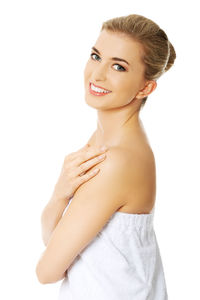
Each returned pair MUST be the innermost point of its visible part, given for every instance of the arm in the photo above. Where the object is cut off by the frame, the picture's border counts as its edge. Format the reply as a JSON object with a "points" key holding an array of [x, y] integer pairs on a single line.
{"points": [[51, 215], [68, 182], [93, 203]]}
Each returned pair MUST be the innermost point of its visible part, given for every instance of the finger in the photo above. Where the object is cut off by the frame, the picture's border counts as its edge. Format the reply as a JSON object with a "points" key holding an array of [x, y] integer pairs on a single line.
{"points": [[74, 155], [89, 174], [84, 167], [87, 155]]}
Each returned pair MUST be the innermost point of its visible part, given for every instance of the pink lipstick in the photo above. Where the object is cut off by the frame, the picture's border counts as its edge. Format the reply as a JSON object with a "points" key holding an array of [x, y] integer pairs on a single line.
{"points": [[98, 93]]}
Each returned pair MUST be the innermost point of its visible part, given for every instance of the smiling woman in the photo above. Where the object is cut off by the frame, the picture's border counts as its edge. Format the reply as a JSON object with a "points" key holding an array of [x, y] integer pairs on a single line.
{"points": [[104, 243], [149, 57]]}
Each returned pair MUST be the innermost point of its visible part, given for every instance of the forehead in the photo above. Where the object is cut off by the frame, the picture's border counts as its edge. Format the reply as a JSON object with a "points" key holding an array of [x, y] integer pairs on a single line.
{"points": [[114, 44]]}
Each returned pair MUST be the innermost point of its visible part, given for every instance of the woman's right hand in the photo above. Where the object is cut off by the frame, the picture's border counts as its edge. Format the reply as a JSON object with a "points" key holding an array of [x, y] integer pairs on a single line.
{"points": [[74, 170]]}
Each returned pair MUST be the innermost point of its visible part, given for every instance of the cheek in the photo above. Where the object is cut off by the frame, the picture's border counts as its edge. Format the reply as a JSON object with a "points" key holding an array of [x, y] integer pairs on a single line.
{"points": [[128, 89], [134, 83], [126, 86]]}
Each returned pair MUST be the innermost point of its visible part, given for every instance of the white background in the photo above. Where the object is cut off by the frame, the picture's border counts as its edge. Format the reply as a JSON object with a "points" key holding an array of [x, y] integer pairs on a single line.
{"points": [[44, 46]]}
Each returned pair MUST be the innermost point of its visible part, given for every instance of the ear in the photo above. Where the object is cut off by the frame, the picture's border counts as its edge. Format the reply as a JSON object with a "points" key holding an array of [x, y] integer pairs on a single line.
{"points": [[149, 87]]}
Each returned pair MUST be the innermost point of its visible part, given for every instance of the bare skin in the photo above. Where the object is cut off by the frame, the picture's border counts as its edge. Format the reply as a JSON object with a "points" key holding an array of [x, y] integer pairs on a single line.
{"points": [[127, 174], [118, 126], [143, 202], [118, 123]]}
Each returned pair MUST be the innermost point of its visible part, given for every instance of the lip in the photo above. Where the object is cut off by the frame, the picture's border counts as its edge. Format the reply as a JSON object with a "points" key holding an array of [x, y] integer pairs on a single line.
{"points": [[98, 93]]}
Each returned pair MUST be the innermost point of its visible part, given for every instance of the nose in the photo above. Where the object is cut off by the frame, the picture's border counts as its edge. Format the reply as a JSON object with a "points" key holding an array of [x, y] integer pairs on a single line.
{"points": [[99, 73]]}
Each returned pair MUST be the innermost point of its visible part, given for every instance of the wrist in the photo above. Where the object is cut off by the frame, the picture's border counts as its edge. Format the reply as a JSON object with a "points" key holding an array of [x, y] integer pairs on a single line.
{"points": [[57, 197]]}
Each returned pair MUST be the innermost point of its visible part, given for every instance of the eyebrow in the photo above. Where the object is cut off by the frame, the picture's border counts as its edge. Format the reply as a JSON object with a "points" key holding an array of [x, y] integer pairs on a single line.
{"points": [[113, 58]]}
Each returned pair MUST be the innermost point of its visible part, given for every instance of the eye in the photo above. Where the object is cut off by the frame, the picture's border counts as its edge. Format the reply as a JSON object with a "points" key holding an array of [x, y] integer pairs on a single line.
{"points": [[93, 54], [122, 68]]}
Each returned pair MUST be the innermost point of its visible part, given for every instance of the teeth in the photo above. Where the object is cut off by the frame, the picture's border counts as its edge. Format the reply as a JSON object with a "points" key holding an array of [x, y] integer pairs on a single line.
{"points": [[96, 89]]}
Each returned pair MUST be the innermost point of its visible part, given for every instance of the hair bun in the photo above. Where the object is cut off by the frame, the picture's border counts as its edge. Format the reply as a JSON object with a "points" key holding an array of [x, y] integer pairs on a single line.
{"points": [[172, 57]]}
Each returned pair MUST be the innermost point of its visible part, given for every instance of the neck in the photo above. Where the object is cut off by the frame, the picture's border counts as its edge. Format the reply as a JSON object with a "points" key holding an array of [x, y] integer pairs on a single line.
{"points": [[114, 125]]}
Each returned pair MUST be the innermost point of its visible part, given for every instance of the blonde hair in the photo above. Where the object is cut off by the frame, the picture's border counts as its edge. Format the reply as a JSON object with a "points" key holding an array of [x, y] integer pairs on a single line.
{"points": [[159, 53]]}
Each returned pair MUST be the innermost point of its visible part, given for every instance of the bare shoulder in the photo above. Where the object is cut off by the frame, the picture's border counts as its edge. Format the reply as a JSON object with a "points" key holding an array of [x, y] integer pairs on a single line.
{"points": [[140, 180], [127, 177], [109, 183]]}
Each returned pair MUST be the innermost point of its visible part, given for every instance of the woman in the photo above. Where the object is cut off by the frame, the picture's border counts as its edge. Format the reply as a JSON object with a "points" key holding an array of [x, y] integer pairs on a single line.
{"points": [[104, 244]]}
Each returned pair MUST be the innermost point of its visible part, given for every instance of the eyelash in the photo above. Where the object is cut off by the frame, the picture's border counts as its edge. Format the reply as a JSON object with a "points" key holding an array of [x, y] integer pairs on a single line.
{"points": [[115, 64]]}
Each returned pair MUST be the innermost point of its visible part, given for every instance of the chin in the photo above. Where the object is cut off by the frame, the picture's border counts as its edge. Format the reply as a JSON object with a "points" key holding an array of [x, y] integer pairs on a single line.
{"points": [[97, 104]]}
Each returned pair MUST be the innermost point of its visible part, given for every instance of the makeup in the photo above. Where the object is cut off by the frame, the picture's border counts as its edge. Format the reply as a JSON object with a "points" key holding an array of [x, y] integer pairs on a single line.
{"points": [[97, 90]]}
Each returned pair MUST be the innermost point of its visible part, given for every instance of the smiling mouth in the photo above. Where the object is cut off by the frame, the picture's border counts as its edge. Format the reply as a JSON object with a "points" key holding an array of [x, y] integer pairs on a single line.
{"points": [[98, 91]]}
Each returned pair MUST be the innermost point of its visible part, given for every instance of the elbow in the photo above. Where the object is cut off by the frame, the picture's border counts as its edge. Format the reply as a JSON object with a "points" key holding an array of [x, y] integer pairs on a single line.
{"points": [[44, 280], [41, 273], [40, 278]]}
